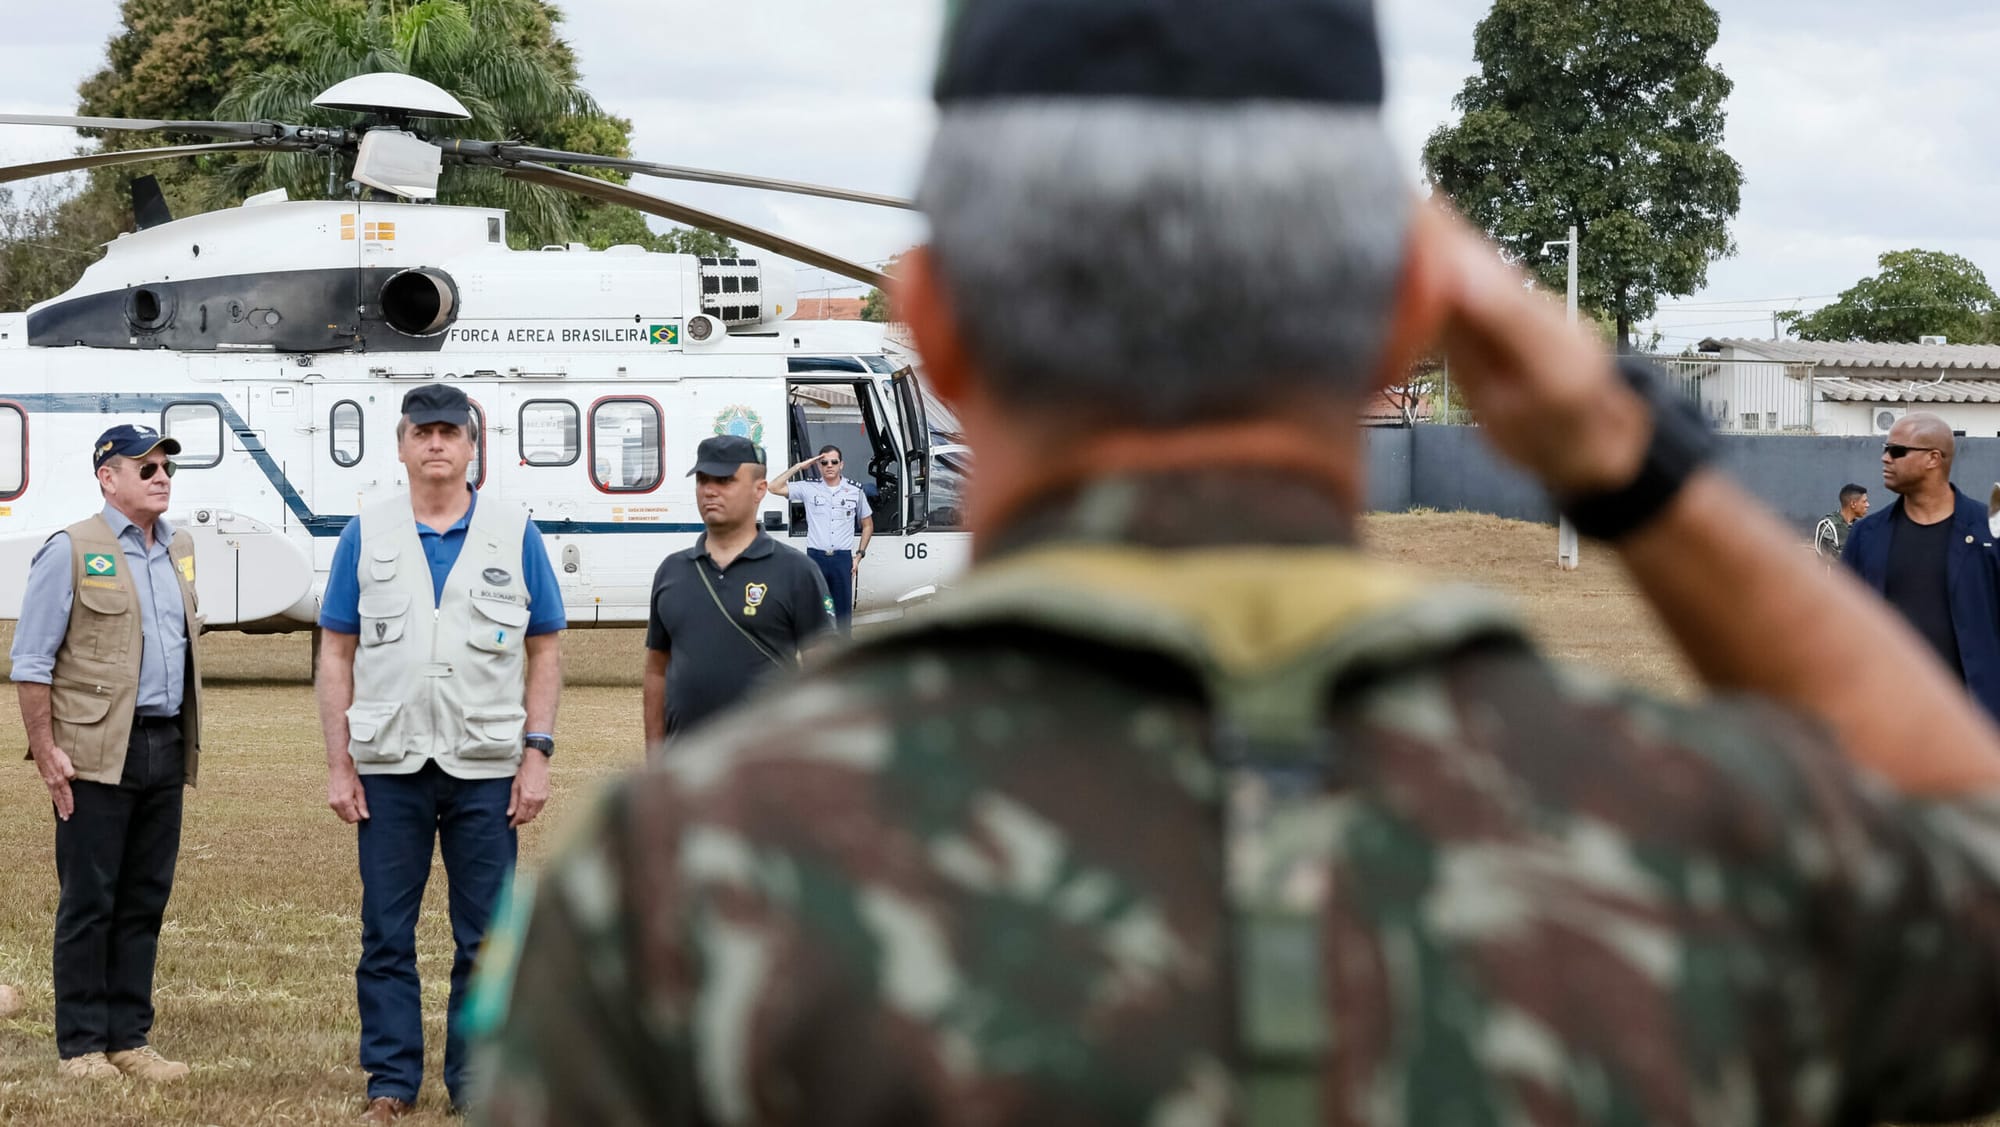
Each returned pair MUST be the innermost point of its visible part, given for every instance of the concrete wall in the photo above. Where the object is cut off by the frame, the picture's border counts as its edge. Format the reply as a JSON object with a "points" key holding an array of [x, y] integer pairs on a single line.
{"points": [[1453, 469]]}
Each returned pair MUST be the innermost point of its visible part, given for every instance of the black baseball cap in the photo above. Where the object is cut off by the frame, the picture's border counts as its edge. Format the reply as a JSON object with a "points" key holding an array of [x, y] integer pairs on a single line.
{"points": [[720, 456], [1325, 51], [437, 403], [131, 442]]}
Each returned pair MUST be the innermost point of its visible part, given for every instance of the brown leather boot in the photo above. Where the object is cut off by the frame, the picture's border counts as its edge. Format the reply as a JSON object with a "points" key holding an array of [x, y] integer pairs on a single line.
{"points": [[383, 1110], [143, 1063]]}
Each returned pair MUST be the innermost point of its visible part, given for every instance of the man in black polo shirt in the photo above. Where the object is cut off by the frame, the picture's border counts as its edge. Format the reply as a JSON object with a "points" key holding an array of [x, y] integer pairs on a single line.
{"points": [[733, 608]]}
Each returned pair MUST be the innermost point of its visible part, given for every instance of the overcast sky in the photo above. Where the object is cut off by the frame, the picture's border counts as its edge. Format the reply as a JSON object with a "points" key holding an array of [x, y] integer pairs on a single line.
{"points": [[1862, 127]]}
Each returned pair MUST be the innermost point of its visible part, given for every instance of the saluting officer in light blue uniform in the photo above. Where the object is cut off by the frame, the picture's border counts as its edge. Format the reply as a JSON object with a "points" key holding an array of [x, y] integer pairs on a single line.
{"points": [[831, 504]]}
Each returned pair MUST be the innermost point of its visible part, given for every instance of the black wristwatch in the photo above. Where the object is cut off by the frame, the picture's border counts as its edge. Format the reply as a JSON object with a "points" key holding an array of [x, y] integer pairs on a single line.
{"points": [[1681, 444], [544, 744]]}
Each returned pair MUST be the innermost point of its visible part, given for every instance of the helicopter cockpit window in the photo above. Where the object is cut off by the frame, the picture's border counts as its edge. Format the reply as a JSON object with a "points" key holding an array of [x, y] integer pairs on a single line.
{"points": [[13, 452], [550, 433], [344, 433], [879, 364], [625, 445], [198, 428]]}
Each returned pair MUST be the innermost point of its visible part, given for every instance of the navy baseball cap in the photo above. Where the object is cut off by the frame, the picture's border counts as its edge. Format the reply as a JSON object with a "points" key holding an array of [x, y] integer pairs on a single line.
{"points": [[437, 403], [720, 456], [131, 442]]}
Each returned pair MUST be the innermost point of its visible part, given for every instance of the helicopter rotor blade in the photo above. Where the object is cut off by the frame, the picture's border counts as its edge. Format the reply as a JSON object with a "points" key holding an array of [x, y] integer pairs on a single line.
{"points": [[126, 156], [243, 130], [507, 152], [680, 213]]}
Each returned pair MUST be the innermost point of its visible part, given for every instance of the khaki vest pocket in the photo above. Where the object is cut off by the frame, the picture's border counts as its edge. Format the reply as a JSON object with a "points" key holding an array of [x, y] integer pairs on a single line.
{"points": [[383, 617], [373, 736], [493, 734], [79, 704], [103, 600], [499, 626]]}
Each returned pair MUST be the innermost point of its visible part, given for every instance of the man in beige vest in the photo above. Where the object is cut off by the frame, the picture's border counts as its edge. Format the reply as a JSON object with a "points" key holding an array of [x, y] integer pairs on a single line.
{"points": [[438, 726], [108, 667]]}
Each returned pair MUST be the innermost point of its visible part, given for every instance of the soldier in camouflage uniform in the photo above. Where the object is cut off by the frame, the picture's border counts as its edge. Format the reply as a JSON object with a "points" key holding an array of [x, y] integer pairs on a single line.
{"points": [[1181, 811]]}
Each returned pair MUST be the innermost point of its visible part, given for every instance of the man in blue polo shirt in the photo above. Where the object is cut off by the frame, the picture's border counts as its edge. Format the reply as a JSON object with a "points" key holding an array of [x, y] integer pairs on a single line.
{"points": [[438, 726]]}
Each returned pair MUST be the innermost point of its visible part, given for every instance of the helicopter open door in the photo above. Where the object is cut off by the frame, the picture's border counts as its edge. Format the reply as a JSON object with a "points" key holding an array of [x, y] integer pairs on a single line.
{"points": [[831, 407], [916, 445]]}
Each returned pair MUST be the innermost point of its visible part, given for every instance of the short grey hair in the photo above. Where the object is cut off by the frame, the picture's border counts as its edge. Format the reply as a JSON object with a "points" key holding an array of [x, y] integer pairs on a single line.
{"points": [[1162, 264]]}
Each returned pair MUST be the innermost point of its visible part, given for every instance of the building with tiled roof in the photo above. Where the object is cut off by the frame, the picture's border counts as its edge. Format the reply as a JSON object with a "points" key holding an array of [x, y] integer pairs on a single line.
{"points": [[1843, 388]]}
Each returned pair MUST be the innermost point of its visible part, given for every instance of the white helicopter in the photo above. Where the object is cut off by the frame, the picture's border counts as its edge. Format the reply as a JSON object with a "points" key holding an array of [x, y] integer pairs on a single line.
{"points": [[275, 342]]}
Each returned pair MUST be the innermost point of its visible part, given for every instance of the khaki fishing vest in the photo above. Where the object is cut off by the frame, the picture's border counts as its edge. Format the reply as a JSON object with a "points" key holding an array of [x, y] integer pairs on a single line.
{"points": [[1270, 632], [94, 689], [449, 685]]}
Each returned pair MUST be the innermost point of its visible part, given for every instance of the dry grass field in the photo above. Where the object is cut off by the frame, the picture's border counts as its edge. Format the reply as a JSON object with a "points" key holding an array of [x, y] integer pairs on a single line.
{"points": [[255, 983]]}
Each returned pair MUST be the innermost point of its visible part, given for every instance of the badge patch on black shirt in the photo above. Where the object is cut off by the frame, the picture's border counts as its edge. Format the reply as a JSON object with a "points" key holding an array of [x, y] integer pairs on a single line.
{"points": [[753, 596]]}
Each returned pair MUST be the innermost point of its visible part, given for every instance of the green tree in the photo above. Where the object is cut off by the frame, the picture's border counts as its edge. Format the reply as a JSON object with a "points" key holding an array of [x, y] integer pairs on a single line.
{"points": [[875, 306], [1606, 115], [615, 226], [1918, 293]]}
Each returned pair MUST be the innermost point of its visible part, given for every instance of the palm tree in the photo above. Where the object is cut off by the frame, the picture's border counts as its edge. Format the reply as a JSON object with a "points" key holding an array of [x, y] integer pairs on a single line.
{"points": [[501, 58]]}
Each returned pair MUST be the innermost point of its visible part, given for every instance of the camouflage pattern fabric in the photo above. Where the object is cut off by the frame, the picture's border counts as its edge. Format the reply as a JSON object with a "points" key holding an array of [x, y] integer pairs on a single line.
{"points": [[978, 874]]}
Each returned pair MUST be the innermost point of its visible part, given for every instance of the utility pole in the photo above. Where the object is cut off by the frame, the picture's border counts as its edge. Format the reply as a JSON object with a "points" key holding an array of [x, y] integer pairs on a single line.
{"points": [[1568, 553]]}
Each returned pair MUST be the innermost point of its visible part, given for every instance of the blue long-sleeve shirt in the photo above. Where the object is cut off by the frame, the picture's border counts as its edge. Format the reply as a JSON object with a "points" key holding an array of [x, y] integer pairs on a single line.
{"points": [[162, 619]]}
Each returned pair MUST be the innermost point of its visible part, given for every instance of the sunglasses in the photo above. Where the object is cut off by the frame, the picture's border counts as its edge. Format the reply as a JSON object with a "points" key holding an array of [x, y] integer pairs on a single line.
{"points": [[151, 470], [1899, 452], [829, 461]]}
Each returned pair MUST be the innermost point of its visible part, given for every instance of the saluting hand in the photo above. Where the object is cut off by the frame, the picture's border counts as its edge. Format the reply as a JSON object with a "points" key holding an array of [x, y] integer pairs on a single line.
{"points": [[1545, 391], [57, 771], [531, 789]]}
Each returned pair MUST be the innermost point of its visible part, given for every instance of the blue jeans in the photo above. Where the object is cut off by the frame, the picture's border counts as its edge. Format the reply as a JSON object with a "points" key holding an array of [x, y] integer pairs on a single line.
{"points": [[838, 568], [467, 819]]}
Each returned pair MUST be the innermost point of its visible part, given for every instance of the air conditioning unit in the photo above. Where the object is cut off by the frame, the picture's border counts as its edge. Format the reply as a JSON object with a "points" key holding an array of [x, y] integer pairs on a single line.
{"points": [[1886, 417], [1933, 340]]}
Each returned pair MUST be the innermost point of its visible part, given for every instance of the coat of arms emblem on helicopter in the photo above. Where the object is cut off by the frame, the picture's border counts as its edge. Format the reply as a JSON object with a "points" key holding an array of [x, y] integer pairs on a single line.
{"points": [[742, 422]]}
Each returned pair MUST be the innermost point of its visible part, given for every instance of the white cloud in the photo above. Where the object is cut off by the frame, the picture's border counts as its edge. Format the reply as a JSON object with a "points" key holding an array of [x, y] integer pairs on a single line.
{"points": [[1860, 128]]}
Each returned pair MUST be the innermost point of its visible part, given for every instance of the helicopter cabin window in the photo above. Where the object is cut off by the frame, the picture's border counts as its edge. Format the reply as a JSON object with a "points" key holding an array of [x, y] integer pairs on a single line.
{"points": [[475, 473], [198, 428], [625, 445], [13, 452], [550, 433], [344, 433]]}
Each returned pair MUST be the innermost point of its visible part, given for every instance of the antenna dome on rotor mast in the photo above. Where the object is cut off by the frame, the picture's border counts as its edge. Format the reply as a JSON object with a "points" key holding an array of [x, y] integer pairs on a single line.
{"points": [[392, 94]]}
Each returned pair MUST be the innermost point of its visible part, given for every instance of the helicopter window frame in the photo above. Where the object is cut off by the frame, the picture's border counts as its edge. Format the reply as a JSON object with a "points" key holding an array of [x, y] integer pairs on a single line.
{"points": [[478, 446], [21, 413], [360, 433], [659, 445], [166, 430], [572, 447]]}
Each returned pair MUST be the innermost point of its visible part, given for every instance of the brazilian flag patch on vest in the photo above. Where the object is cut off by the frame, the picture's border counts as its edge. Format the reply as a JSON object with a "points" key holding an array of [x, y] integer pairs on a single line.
{"points": [[99, 563]]}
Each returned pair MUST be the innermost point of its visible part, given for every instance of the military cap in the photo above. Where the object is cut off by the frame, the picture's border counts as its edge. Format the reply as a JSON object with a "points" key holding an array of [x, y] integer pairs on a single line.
{"points": [[1323, 51], [720, 456]]}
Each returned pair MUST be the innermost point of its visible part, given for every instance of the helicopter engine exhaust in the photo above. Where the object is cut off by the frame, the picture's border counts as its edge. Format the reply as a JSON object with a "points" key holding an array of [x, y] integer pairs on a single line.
{"points": [[420, 302]]}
